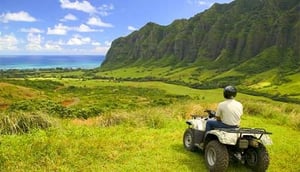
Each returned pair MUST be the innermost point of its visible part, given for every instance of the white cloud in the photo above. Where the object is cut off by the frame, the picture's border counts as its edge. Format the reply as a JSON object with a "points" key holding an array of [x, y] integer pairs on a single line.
{"points": [[199, 3], [59, 29], [60, 42], [34, 41], [53, 46], [96, 21], [105, 9], [32, 30], [21, 16], [34, 38], [96, 43], [102, 50], [8, 42], [131, 28], [69, 17], [79, 40], [84, 6], [85, 28], [107, 43]]}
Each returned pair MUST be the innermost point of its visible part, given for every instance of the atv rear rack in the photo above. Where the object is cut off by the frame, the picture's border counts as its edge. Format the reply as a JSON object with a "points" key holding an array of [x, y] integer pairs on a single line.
{"points": [[242, 131]]}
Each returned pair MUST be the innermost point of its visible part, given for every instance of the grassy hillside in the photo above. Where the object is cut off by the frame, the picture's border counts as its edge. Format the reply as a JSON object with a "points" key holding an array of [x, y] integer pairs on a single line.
{"points": [[253, 45], [10, 93], [86, 146], [225, 35], [271, 83], [127, 126]]}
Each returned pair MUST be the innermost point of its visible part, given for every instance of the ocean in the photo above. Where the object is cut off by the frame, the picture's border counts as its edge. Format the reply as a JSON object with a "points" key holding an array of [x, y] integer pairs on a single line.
{"points": [[50, 61]]}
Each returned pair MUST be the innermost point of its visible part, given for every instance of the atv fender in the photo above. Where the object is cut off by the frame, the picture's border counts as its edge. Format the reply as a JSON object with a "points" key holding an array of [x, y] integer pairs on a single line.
{"points": [[224, 137], [231, 138], [197, 124], [265, 139]]}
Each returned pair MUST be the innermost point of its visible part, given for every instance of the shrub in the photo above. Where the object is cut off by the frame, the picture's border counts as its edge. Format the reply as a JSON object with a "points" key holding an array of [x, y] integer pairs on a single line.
{"points": [[17, 123], [112, 119], [156, 121], [48, 85]]}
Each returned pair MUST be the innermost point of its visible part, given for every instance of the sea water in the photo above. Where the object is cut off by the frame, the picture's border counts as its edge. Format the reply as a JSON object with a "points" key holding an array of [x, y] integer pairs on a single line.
{"points": [[50, 61]]}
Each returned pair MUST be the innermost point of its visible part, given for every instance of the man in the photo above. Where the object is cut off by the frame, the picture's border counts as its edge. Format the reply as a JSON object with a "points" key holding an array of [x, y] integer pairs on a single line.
{"points": [[228, 113]]}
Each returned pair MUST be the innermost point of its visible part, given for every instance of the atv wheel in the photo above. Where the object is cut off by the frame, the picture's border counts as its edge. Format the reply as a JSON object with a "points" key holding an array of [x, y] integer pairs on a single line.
{"points": [[189, 140], [216, 156], [257, 158]]}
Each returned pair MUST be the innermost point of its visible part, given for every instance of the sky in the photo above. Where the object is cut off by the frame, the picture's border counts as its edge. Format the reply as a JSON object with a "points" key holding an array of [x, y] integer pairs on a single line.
{"points": [[83, 27]]}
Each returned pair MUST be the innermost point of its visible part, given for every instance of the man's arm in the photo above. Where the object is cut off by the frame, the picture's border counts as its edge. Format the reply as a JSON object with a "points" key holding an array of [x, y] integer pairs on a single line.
{"points": [[218, 113]]}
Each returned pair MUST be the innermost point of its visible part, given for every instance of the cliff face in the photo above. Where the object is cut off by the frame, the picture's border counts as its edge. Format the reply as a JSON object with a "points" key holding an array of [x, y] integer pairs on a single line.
{"points": [[227, 34]]}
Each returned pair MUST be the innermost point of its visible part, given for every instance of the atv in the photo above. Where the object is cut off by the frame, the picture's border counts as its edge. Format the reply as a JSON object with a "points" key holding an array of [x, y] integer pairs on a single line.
{"points": [[221, 145]]}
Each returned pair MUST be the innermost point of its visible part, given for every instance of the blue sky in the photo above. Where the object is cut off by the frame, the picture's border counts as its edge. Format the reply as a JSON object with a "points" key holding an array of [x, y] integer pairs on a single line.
{"points": [[86, 27]]}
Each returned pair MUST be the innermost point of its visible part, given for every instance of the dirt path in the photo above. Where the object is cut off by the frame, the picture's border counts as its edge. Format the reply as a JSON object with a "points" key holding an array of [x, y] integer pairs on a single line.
{"points": [[70, 102], [3, 106]]}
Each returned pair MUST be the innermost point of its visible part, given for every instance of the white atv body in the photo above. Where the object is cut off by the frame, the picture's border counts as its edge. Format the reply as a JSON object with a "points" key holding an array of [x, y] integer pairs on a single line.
{"points": [[223, 144], [227, 137]]}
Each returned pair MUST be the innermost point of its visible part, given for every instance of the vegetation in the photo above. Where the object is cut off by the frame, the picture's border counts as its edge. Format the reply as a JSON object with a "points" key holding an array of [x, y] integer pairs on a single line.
{"points": [[224, 36], [129, 115], [140, 126], [19, 123], [243, 43]]}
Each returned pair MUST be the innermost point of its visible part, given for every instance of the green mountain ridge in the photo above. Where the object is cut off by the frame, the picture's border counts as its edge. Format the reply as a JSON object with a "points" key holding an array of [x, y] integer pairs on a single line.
{"points": [[244, 43]]}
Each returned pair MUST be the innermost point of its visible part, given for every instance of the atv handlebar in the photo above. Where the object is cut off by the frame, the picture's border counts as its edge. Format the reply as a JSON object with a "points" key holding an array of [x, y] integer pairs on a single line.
{"points": [[211, 113]]}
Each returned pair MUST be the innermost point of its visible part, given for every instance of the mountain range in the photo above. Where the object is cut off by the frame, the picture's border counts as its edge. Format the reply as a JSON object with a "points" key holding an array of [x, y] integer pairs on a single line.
{"points": [[251, 43]]}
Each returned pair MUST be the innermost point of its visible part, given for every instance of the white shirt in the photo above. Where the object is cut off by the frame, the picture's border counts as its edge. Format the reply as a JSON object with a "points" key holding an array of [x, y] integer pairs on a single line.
{"points": [[230, 112]]}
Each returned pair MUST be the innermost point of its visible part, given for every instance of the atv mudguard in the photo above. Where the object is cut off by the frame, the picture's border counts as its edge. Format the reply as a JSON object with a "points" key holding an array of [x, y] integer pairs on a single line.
{"points": [[231, 138]]}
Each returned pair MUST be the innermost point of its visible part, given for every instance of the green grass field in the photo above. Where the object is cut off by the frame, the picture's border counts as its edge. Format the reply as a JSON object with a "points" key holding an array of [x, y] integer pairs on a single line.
{"points": [[128, 126], [272, 83]]}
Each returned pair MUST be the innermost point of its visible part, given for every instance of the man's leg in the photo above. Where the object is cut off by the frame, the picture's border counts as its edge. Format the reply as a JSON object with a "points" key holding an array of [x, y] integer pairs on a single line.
{"points": [[212, 124]]}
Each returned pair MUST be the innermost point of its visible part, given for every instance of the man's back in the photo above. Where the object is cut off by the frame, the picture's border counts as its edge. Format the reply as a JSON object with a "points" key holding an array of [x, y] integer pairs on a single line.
{"points": [[230, 112]]}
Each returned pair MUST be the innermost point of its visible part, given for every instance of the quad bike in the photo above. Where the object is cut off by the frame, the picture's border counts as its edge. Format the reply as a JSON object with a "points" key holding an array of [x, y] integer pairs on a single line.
{"points": [[246, 145]]}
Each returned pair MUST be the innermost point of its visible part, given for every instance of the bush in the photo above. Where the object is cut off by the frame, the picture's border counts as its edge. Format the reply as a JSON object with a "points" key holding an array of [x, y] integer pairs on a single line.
{"points": [[48, 85], [18, 123]]}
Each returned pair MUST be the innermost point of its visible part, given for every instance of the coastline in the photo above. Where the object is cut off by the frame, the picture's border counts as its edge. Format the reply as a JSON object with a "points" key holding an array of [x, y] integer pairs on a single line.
{"points": [[23, 62]]}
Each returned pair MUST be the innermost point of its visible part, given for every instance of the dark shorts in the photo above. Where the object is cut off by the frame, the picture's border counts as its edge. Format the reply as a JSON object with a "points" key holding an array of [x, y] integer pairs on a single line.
{"points": [[210, 125]]}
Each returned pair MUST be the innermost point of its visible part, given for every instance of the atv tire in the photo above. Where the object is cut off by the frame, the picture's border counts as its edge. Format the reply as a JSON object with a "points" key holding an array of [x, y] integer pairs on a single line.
{"points": [[189, 140], [257, 158], [216, 156]]}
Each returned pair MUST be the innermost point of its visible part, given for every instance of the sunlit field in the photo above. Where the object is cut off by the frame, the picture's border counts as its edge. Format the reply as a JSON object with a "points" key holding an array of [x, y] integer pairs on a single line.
{"points": [[101, 125]]}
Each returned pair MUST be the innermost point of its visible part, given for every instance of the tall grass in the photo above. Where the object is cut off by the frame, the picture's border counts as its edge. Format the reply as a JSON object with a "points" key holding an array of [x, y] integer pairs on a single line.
{"points": [[145, 138], [278, 112], [148, 139], [19, 123]]}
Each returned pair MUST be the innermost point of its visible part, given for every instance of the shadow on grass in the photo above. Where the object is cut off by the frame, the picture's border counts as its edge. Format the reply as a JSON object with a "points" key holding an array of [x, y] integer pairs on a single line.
{"points": [[195, 161]]}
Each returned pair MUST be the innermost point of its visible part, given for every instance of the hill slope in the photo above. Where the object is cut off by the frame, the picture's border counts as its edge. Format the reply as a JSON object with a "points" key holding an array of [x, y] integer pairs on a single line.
{"points": [[229, 33], [245, 43]]}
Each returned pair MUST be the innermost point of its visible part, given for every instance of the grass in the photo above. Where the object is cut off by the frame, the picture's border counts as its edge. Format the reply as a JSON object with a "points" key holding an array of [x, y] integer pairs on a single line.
{"points": [[80, 146], [19, 123], [290, 88], [284, 153], [11, 92], [273, 82], [135, 72], [146, 138]]}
